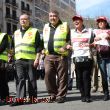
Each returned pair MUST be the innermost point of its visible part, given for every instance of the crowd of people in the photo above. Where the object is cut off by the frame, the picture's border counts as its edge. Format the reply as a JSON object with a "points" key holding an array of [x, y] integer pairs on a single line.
{"points": [[50, 56]]}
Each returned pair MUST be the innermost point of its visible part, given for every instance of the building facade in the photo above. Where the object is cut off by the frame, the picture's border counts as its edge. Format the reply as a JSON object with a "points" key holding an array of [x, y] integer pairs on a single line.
{"points": [[37, 9], [11, 10], [66, 9], [42, 8]]}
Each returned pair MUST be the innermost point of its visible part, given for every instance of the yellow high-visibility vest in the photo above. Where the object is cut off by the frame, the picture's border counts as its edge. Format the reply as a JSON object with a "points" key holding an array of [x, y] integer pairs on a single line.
{"points": [[59, 38], [25, 46], [4, 54]]}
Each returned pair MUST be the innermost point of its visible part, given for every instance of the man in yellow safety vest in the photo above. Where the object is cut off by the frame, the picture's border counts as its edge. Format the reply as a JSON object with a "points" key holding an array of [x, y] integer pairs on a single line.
{"points": [[4, 89], [27, 46], [56, 37]]}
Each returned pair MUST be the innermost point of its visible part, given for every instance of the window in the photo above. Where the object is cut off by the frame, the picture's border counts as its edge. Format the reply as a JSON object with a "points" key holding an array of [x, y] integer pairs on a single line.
{"points": [[7, 1], [22, 5], [14, 14], [28, 7], [9, 28], [72, 4], [45, 6], [39, 24], [37, 2], [63, 6], [14, 2], [44, 15], [37, 12], [8, 12]]}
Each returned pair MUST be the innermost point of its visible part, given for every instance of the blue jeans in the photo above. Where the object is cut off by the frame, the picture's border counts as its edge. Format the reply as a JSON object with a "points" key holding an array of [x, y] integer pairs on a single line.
{"points": [[104, 65], [108, 67]]}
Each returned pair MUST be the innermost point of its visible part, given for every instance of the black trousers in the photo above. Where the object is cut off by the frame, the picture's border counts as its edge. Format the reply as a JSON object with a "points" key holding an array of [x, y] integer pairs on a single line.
{"points": [[25, 70], [83, 71], [4, 89]]}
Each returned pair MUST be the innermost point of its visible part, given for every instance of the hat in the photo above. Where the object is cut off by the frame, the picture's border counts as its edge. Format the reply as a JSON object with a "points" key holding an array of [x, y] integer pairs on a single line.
{"points": [[77, 17], [101, 18]]}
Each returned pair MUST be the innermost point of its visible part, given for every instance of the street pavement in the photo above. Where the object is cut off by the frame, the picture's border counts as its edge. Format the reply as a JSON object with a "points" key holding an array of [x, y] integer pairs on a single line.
{"points": [[72, 103]]}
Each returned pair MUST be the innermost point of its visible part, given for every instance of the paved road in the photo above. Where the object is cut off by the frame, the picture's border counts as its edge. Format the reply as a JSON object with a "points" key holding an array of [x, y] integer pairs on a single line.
{"points": [[73, 101]]}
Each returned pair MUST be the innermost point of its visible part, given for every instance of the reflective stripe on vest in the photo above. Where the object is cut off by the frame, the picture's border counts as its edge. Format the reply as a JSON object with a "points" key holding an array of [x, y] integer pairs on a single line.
{"points": [[4, 54], [25, 46], [59, 38]]}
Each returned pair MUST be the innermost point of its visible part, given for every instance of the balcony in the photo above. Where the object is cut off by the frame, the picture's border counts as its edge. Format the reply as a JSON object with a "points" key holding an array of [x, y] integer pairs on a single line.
{"points": [[8, 16], [12, 18], [7, 2], [14, 4]]}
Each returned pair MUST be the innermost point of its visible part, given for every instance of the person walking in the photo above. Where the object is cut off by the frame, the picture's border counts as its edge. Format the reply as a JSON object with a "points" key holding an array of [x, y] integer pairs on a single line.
{"points": [[4, 89], [96, 75], [102, 43], [40, 68], [81, 38], [56, 36], [27, 46], [70, 72]]}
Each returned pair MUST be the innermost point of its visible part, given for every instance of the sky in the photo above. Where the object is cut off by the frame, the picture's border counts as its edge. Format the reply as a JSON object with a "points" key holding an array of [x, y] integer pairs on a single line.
{"points": [[93, 8]]}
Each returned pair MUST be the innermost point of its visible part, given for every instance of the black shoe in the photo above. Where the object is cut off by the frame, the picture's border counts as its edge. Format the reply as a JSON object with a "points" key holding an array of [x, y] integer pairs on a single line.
{"points": [[83, 99], [60, 100], [106, 98], [3, 102], [88, 100], [32, 100], [69, 88], [16, 104]]}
